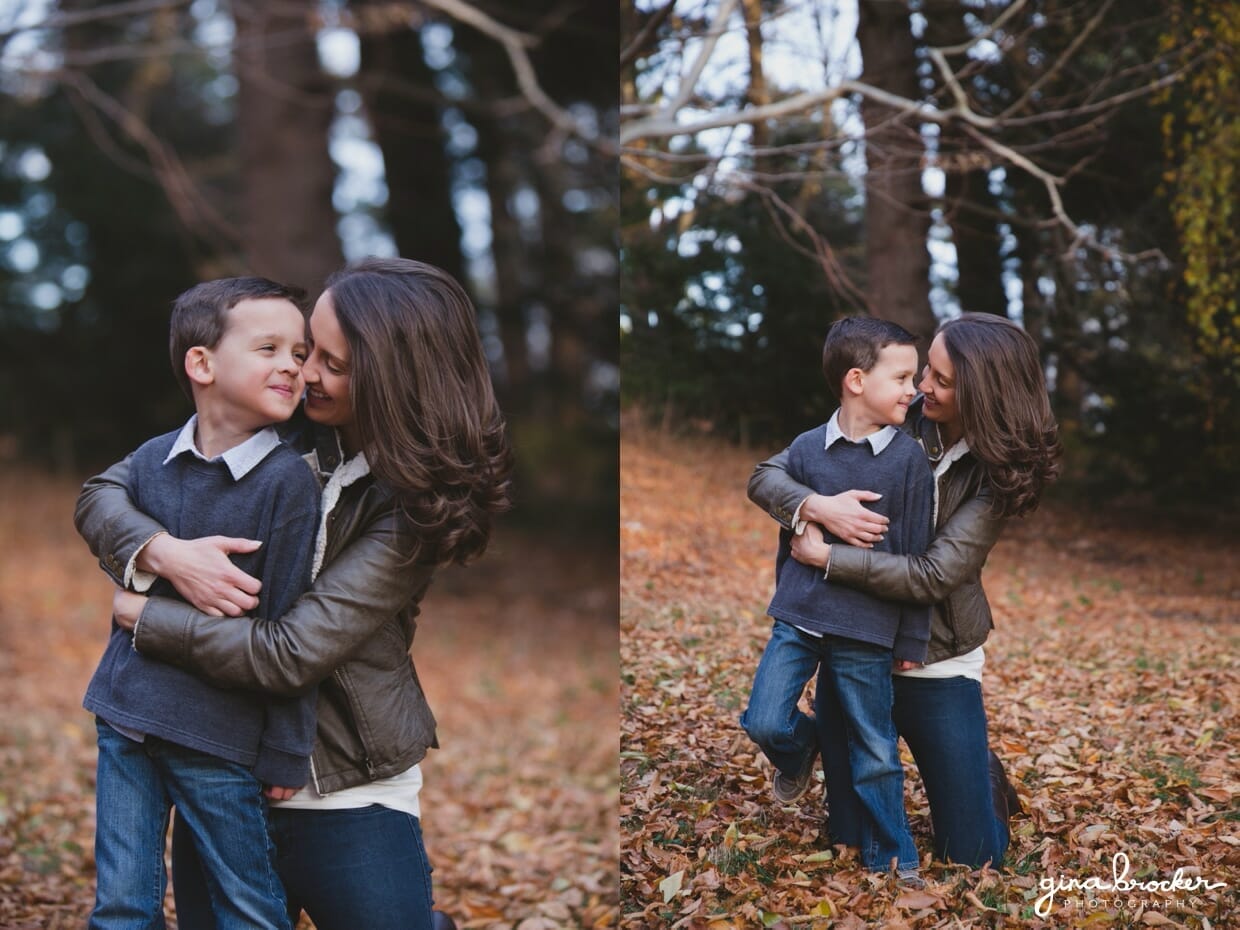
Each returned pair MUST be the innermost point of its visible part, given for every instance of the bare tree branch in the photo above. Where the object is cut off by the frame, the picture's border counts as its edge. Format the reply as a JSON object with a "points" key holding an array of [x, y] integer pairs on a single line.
{"points": [[640, 41], [516, 46], [688, 83], [77, 18], [990, 30], [1051, 184], [783, 215], [822, 252], [1061, 62], [192, 208], [989, 133], [1111, 103]]}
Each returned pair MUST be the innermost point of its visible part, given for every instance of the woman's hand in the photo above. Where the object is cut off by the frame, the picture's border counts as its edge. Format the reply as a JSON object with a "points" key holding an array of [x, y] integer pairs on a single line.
{"points": [[846, 517], [810, 548], [277, 793], [202, 573], [127, 608], [907, 665]]}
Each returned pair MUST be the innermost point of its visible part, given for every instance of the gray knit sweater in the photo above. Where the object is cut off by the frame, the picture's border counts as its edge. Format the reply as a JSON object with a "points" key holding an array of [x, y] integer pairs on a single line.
{"points": [[276, 501], [901, 474]]}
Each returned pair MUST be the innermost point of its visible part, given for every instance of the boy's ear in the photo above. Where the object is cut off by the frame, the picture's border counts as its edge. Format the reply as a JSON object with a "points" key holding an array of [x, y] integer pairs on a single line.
{"points": [[198, 365], [852, 380]]}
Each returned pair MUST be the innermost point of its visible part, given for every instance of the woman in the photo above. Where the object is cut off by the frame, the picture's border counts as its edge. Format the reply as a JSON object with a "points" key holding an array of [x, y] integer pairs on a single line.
{"points": [[407, 435], [985, 423]]}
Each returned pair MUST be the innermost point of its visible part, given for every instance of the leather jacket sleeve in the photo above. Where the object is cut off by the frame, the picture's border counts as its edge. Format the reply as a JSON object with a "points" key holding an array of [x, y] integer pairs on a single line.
{"points": [[114, 529], [956, 554], [776, 493], [363, 588]]}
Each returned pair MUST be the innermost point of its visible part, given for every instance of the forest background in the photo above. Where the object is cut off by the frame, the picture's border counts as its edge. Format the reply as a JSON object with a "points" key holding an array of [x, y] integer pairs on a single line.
{"points": [[146, 145], [1070, 165]]}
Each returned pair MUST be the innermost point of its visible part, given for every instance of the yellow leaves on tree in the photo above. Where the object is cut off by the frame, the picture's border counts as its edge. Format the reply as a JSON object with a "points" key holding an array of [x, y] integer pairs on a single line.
{"points": [[1202, 139]]}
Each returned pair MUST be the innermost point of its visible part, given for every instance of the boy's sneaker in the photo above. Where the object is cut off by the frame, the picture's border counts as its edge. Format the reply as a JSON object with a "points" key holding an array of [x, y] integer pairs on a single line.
{"points": [[910, 878], [788, 788]]}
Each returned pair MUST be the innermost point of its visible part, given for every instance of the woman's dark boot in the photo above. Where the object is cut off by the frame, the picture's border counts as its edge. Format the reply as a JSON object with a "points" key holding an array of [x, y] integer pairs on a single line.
{"points": [[1002, 792]]}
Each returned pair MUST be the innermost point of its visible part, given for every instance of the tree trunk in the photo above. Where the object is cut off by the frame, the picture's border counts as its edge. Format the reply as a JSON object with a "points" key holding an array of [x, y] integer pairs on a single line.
{"points": [[969, 210], [757, 94], [402, 101], [284, 114], [897, 223], [512, 264], [505, 149], [573, 309], [969, 207]]}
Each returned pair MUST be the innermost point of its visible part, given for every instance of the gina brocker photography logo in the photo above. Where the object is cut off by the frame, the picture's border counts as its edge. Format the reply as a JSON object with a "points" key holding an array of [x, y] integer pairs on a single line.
{"points": [[1120, 891]]}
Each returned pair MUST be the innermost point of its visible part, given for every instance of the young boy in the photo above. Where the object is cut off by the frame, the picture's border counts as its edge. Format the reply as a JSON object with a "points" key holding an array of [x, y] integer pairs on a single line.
{"points": [[165, 736], [852, 638]]}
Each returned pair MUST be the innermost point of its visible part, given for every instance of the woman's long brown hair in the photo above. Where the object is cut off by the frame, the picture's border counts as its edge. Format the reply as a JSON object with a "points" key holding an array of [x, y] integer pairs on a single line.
{"points": [[1004, 407], [423, 401]]}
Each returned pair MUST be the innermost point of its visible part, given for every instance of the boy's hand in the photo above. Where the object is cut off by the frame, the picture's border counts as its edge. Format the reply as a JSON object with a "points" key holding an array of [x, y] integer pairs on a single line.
{"points": [[277, 793], [202, 573], [846, 517], [127, 608], [810, 548]]}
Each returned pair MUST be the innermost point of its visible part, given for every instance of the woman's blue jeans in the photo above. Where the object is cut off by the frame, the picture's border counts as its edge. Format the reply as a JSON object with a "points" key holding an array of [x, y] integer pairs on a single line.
{"points": [[944, 724], [221, 807], [348, 869], [943, 721]]}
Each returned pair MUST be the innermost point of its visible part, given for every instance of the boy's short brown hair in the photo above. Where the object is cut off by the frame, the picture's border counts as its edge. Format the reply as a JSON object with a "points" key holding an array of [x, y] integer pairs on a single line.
{"points": [[200, 315], [854, 342]]}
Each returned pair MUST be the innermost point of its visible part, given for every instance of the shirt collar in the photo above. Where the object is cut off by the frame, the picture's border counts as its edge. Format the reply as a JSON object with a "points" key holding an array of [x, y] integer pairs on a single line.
{"points": [[240, 459], [878, 441], [951, 456]]}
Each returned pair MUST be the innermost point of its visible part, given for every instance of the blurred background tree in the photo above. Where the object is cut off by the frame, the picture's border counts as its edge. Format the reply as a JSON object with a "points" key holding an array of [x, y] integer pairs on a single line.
{"points": [[149, 144], [1068, 165]]}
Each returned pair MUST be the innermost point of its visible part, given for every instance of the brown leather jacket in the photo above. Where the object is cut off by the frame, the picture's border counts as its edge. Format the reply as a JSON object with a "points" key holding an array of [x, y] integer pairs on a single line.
{"points": [[948, 575], [350, 634]]}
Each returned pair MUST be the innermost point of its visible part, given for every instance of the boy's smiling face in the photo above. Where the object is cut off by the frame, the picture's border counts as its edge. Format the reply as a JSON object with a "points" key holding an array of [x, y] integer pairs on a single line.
{"points": [[256, 366], [887, 389]]}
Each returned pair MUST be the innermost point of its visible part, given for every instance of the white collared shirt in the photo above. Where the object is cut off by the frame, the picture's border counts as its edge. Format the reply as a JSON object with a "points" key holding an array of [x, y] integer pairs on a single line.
{"points": [[240, 459], [878, 440]]}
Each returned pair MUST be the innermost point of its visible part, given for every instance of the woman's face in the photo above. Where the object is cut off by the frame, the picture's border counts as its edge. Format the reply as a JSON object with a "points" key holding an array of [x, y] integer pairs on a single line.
{"points": [[938, 383], [327, 369]]}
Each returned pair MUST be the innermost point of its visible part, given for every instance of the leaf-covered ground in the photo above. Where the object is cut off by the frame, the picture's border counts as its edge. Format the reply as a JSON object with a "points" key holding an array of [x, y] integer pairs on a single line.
{"points": [[517, 654], [1112, 684]]}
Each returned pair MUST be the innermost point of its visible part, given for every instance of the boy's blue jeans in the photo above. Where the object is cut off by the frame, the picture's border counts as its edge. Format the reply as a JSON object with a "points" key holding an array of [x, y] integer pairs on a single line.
{"points": [[860, 754], [772, 719], [861, 760], [222, 804]]}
